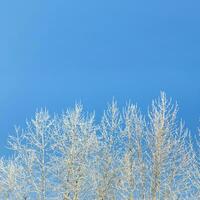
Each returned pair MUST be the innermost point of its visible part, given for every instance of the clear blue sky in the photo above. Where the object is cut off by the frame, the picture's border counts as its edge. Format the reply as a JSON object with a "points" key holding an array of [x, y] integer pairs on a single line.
{"points": [[54, 53]]}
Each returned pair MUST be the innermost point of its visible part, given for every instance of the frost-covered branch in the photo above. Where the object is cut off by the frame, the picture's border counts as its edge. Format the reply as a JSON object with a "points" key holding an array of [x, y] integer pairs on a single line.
{"points": [[127, 155]]}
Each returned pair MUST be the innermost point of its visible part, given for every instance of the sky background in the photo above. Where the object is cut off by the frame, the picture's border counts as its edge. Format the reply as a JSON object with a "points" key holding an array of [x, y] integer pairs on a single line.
{"points": [[55, 53]]}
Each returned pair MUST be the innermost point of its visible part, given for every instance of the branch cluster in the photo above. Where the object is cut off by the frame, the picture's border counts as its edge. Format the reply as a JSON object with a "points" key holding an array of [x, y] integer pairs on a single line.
{"points": [[125, 156]]}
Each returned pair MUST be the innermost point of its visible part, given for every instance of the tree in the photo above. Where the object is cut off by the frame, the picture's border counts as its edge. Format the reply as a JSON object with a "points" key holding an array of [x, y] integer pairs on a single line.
{"points": [[196, 164], [32, 147], [127, 155], [74, 143], [108, 160], [135, 158], [169, 156]]}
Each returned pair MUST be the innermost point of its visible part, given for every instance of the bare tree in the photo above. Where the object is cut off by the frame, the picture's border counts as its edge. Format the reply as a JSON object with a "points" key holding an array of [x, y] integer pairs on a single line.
{"points": [[125, 156], [108, 160], [11, 180], [195, 153], [73, 146], [169, 156], [135, 158], [32, 147]]}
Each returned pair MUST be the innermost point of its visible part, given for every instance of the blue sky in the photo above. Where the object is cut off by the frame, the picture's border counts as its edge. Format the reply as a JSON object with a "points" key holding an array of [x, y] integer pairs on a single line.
{"points": [[54, 53]]}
